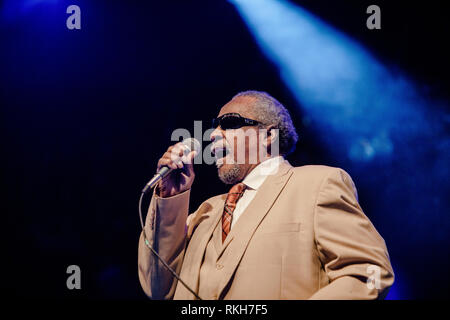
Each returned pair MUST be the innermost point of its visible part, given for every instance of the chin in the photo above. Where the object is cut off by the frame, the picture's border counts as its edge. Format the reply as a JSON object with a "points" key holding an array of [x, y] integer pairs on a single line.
{"points": [[222, 169], [230, 173]]}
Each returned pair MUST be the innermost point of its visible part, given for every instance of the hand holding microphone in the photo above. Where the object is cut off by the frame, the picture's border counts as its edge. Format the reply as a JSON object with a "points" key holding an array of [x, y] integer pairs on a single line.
{"points": [[175, 170], [175, 174]]}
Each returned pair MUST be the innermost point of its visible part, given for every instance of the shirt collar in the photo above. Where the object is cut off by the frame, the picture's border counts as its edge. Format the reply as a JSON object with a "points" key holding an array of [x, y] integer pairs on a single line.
{"points": [[258, 175]]}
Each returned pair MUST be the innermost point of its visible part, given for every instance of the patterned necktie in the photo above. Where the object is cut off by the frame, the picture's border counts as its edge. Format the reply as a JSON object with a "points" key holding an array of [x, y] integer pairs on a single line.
{"points": [[233, 196]]}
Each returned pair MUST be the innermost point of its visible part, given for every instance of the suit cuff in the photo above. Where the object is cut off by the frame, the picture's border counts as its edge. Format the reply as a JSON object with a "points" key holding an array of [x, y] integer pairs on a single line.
{"points": [[168, 211]]}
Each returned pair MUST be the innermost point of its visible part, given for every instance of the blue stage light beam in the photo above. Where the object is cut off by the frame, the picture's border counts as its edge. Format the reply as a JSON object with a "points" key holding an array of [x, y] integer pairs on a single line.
{"points": [[371, 119], [363, 108]]}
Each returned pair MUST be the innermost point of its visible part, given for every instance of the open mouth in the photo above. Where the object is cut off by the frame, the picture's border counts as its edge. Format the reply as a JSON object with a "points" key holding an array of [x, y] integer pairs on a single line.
{"points": [[219, 151]]}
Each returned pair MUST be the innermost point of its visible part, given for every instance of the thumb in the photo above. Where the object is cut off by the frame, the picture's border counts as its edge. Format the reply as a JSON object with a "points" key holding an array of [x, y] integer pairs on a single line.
{"points": [[189, 162]]}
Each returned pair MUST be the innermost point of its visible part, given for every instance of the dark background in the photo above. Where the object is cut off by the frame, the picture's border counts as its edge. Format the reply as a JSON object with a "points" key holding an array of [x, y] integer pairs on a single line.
{"points": [[85, 115]]}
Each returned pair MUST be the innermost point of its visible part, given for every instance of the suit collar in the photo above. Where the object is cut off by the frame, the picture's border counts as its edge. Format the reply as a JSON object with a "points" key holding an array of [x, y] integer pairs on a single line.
{"points": [[258, 175]]}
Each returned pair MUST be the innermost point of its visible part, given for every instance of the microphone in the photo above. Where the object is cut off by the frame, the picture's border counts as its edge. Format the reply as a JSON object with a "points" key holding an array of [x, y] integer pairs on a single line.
{"points": [[191, 144]]}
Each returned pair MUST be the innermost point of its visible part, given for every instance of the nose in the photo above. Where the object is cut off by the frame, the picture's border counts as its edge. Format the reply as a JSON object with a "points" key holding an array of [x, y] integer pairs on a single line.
{"points": [[216, 134]]}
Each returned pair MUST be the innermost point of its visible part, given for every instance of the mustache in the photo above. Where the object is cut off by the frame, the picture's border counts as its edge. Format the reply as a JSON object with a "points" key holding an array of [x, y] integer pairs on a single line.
{"points": [[219, 148]]}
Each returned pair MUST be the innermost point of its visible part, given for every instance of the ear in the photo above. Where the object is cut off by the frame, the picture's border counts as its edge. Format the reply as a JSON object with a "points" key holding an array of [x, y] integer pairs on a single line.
{"points": [[271, 141], [272, 134]]}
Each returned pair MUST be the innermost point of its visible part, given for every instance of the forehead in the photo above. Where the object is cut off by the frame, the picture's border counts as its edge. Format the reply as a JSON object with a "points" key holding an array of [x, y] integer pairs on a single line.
{"points": [[241, 105]]}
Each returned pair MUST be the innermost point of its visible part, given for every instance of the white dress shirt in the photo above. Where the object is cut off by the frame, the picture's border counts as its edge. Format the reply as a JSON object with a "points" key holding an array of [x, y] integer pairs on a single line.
{"points": [[253, 181]]}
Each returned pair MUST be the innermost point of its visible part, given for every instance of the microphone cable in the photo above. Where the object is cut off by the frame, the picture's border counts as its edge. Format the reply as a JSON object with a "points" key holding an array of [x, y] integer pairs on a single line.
{"points": [[147, 243]]}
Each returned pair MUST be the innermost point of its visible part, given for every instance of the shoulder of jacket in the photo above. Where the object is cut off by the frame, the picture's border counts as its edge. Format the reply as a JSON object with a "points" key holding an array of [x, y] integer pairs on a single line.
{"points": [[320, 172], [316, 170]]}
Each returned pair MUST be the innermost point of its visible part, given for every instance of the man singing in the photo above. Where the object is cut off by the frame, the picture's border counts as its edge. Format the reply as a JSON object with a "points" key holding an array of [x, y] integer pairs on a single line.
{"points": [[281, 232]]}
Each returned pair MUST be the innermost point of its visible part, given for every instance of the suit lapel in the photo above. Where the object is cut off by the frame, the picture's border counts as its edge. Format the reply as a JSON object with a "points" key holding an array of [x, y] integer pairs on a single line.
{"points": [[217, 236], [239, 237]]}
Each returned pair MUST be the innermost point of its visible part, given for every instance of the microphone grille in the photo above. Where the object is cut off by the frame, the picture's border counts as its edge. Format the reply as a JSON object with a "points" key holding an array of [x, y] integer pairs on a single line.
{"points": [[192, 144]]}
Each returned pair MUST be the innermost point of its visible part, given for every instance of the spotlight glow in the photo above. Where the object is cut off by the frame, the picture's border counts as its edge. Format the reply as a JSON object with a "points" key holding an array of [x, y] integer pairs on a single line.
{"points": [[340, 85]]}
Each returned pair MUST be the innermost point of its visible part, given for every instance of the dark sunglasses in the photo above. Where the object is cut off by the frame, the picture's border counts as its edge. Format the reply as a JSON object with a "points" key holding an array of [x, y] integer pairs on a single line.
{"points": [[233, 121]]}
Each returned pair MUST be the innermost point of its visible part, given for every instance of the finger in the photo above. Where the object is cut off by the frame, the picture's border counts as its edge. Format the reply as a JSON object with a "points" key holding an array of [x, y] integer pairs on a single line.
{"points": [[168, 164], [189, 158], [177, 152], [173, 158], [174, 154], [179, 164], [189, 162], [166, 161], [172, 147]]}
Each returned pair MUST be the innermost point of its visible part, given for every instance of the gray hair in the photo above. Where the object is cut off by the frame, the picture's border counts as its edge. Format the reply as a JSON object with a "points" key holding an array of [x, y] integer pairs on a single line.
{"points": [[270, 111]]}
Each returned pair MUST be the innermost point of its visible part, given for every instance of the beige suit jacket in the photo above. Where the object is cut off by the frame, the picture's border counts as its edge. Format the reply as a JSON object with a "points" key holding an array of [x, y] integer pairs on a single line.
{"points": [[304, 236]]}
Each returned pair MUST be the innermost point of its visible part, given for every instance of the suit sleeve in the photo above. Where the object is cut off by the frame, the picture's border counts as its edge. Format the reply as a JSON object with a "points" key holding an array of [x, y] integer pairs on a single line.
{"points": [[165, 230], [352, 253]]}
